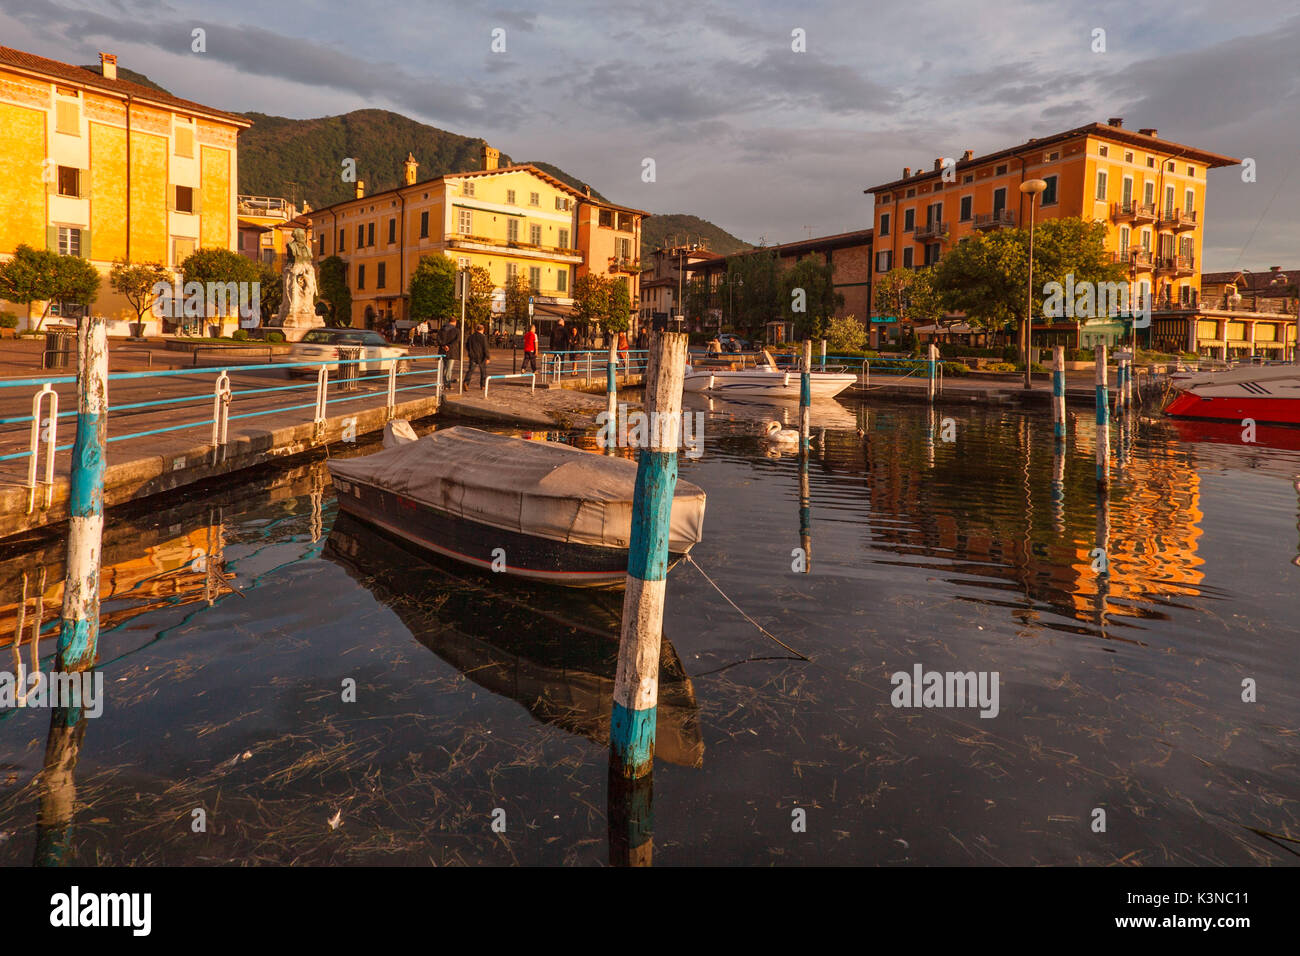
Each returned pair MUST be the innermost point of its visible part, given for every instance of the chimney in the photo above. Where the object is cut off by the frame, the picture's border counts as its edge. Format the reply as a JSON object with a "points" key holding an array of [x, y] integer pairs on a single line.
{"points": [[938, 163], [1116, 121], [967, 156], [1148, 131], [108, 65], [306, 207], [907, 171], [489, 157], [410, 167], [361, 189], [586, 190]]}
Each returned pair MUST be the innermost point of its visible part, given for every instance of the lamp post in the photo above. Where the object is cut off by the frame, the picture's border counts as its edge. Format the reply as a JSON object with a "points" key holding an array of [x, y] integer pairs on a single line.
{"points": [[1031, 188]]}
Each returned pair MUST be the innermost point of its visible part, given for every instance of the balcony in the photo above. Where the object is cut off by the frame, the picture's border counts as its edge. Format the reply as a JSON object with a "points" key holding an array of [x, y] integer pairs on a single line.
{"points": [[1133, 211], [512, 246], [1002, 219], [931, 230], [1175, 265], [1177, 220], [625, 264], [1133, 258]]}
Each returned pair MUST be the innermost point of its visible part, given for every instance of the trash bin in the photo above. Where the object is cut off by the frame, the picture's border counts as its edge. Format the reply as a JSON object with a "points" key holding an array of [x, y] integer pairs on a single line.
{"points": [[59, 346], [348, 370]]}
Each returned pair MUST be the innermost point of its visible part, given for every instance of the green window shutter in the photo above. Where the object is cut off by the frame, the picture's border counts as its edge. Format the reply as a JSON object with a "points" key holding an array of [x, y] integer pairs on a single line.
{"points": [[85, 243], [83, 183], [52, 238]]}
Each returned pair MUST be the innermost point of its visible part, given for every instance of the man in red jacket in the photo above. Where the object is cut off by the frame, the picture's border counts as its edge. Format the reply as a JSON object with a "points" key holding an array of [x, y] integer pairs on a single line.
{"points": [[530, 349]]}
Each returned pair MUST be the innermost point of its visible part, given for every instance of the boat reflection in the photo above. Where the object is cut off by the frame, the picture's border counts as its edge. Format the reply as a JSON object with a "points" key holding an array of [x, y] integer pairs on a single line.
{"points": [[552, 652]]}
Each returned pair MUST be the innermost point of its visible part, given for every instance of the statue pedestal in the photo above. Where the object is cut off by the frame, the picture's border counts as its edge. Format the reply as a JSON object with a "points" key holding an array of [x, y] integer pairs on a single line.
{"points": [[296, 325]]}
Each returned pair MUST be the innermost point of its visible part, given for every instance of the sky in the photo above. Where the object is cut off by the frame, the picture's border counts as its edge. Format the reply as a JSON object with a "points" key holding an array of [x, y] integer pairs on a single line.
{"points": [[769, 142]]}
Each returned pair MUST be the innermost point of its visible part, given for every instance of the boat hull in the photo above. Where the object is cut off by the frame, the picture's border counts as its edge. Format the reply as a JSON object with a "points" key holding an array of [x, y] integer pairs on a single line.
{"points": [[480, 545], [1262, 408], [742, 384]]}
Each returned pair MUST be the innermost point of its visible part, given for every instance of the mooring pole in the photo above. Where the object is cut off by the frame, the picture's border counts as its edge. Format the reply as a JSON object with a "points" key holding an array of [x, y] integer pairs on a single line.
{"points": [[823, 355], [1058, 487], [79, 634], [611, 398], [1058, 392], [932, 361], [1103, 419], [805, 396], [636, 681]]}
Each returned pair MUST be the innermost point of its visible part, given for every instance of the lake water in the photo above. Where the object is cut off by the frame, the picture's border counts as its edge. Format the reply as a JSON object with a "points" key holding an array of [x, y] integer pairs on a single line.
{"points": [[234, 618]]}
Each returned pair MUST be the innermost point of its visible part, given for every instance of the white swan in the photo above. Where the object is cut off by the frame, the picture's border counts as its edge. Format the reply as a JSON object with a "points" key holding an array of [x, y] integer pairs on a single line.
{"points": [[782, 436]]}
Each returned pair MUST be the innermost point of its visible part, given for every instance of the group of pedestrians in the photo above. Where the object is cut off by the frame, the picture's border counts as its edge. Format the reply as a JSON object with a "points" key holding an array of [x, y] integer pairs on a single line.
{"points": [[478, 354]]}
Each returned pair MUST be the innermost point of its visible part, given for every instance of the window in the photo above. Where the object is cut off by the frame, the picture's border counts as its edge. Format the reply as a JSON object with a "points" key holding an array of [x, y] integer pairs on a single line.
{"points": [[361, 236], [966, 202], [468, 188], [466, 224], [1169, 166], [1169, 202], [370, 234], [534, 199], [623, 248], [606, 218], [392, 231], [1001, 170], [999, 200], [1128, 157], [69, 181], [534, 278], [967, 179], [535, 235], [1191, 171], [884, 260], [562, 280], [342, 247], [1103, 150], [1146, 240], [931, 253], [907, 257], [1126, 193], [320, 244], [564, 239], [184, 200], [361, 276], [909, 220], [934, 214], [1049, 193], [185, 141], [512, 230], [884, 225], [69, 241], [424, 225], [182, 249], [1149, 194], [562, 203], [1189, 202], [1101, 185], [511, 271], [381, 275], [1123, 239], [510, 197], [1151, 162], [911, 193], [67, 117]]}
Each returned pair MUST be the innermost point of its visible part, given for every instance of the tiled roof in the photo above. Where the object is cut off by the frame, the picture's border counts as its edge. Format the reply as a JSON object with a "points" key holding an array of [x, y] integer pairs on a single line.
{"points": [[1251, 281], [83, 77]]}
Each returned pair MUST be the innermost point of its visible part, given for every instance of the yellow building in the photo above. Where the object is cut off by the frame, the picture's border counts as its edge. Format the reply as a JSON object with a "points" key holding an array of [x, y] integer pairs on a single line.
{"points": [[510, 220], [107, 169]]}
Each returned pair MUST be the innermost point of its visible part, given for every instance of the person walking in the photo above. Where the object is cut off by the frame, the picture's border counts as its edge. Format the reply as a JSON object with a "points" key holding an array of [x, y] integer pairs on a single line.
{"points": [[560, 343], [530, 349], [622, 350], [477, 354], [449, 346]]}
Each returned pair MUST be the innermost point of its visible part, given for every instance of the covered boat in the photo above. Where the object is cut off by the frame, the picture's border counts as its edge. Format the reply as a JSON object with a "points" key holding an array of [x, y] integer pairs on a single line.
{"points": [[538, 510], [1268, 393], [762, 379]]}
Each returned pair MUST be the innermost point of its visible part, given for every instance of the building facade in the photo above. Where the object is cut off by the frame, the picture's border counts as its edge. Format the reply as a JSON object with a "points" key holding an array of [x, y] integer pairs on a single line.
{"points": [[510, 220], [663, 280], [1150, 193], [106, 169]]}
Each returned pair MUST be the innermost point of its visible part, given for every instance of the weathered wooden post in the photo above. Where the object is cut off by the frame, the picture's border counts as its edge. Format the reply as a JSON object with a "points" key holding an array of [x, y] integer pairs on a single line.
{"points": [[79, 634], [932, 362], [1058, 487], [1058, 392], [823, 355], [636, 681], [1103, 419], [805, 512], [805, 396], [611, 398], [631, 819]]}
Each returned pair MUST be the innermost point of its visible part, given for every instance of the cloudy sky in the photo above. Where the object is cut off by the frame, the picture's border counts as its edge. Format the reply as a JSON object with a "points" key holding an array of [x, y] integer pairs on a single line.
{"points": [[767, 142]]}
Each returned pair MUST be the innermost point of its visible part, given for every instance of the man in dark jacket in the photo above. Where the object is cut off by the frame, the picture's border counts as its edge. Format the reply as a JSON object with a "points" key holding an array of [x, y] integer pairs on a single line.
{"points": [[560, 343], [449, 347], [477, 354]]}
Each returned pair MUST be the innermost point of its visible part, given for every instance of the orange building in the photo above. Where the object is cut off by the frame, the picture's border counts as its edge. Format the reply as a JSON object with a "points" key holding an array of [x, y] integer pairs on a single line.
{"points": [[1150, 193]]}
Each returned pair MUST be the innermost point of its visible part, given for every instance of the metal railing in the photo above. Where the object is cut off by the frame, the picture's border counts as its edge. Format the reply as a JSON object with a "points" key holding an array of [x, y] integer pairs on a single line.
{"points": [[529, 375], [215, 403], [589, 365]]}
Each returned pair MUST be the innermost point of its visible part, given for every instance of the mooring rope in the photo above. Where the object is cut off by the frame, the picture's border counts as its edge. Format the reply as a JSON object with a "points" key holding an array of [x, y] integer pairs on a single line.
{"points": [[803, 657]]}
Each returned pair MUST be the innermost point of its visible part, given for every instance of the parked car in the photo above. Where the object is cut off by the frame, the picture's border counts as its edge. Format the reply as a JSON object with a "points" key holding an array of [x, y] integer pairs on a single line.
{"points": [[734, 343], [320, 345]]}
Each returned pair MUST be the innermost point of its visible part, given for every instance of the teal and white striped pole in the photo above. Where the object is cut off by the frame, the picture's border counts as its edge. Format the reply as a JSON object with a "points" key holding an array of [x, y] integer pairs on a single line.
{"points": [[1103, 419], [636, 682], [932, 357], [79, 633], [1058, 392], [611, 397], [805, 397]]}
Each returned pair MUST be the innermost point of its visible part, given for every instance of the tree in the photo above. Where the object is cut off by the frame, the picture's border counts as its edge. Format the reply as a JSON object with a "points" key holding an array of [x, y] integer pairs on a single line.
{"points": [[846, 335], [757, 289], [697, 299], [270, 292], [433, 288], [619, 317], [809, 297], [137, 283], [333, 287], [478, 303], [219, 267], [590, 300], [911, 296], [518, 291], [35, 275]]}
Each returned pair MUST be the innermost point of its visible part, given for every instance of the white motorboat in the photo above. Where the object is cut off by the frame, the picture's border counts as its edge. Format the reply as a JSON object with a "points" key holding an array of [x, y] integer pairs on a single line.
{"points": [[1265, 394], [738, 380]]}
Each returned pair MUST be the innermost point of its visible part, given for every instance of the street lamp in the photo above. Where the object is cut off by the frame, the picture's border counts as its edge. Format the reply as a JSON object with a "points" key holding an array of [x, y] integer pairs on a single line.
{"points": [[1031, 188]]}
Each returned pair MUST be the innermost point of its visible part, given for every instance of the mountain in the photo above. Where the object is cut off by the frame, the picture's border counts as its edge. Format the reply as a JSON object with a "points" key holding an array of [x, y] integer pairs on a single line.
{"points": [[131, 75], [679, 227]]}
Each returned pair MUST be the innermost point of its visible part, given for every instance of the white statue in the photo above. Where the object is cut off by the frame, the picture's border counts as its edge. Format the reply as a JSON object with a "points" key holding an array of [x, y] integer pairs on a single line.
{"points": [[298, 305]]}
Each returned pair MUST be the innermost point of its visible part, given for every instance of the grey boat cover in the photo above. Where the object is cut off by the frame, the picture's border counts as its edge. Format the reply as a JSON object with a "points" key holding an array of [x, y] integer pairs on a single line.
{"points": [[538, 488]]}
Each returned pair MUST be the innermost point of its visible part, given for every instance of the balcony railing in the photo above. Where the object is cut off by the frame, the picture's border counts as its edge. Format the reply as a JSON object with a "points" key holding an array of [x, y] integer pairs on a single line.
{"points": [[931, 230], [1136, 258], [1002, 219], [624, 264], [459, 239], [1178, 220], [1178, 265], [1132, 210]]}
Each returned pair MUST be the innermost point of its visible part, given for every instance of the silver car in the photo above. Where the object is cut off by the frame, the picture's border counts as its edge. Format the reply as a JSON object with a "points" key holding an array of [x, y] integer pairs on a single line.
{"points": [[323, 345]]}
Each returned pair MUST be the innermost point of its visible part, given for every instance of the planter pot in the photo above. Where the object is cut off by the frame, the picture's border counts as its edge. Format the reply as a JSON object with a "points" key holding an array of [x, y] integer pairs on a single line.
{"points": [[214, 331], [137, 330]]}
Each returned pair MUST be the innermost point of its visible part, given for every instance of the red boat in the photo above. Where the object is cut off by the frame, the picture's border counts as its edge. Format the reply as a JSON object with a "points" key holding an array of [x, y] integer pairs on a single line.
{"points": [[1265, 393]]}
